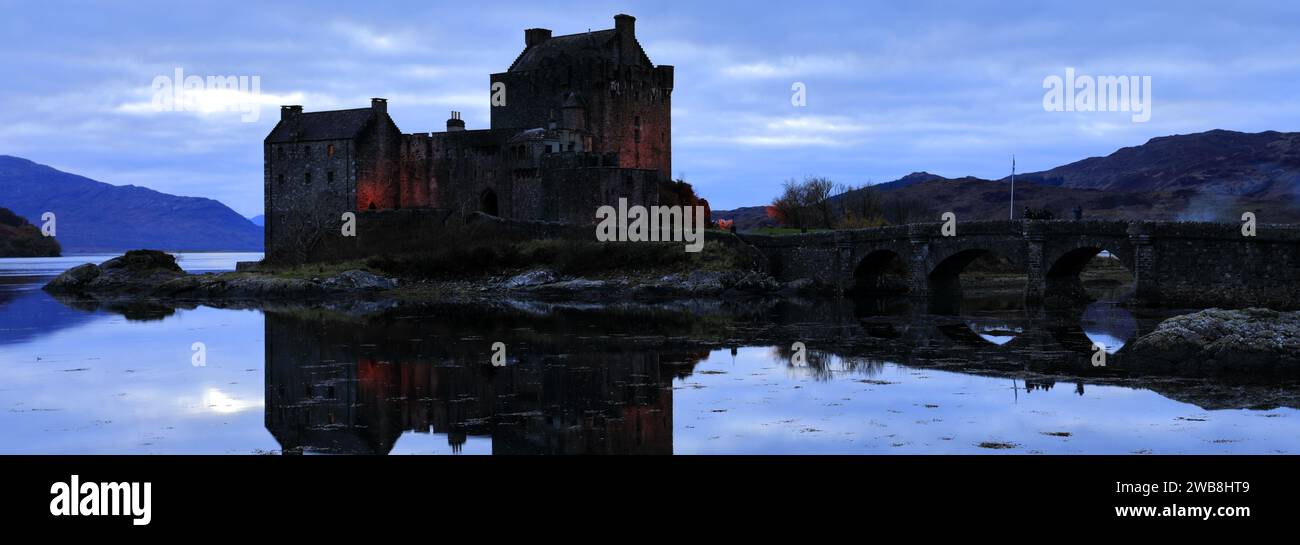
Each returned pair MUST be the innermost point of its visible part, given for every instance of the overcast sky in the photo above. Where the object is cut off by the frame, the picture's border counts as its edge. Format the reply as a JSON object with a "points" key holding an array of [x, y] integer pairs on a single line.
{"points": [[951, 88]]}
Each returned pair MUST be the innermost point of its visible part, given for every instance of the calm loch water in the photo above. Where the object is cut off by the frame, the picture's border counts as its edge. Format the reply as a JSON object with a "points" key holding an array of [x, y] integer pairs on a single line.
{"points": [[982, 376]]}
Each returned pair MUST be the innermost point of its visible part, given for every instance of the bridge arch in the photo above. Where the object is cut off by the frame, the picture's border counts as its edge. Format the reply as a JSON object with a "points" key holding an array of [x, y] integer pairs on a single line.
{"points": [[945, 275], [880, 270], [1062, 278]]}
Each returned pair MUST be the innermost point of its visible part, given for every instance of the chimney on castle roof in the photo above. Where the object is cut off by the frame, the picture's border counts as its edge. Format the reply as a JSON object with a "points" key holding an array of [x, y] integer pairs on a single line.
{"points": [[625, 24], [535, 36], [290, 112], [455, 123], [379, 105], [625, 28]]}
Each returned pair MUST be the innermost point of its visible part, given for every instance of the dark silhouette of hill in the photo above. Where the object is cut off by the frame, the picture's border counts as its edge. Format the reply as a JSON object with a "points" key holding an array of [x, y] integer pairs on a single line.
{"points": [[1258, 165], [1209, 176], [93, 216], [19, 238]]}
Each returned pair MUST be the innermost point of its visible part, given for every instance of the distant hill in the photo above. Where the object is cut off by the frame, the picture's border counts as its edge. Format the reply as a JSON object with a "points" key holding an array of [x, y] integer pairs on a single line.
{"points": [[1262, 165], [1208, 176], [979, 199], [93, 216], [908, 181], [746, 218], [19, 238], [258, 220]]}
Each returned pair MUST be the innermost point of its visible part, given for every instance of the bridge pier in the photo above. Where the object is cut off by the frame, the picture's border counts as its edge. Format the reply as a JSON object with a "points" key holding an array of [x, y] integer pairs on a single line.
{"points": [[1145, 288], [1035, 263], [918, 264]]}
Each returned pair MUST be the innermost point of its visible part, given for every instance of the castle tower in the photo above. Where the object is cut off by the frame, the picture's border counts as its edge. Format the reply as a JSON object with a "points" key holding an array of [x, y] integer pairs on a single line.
{"points": [[625, 99]]}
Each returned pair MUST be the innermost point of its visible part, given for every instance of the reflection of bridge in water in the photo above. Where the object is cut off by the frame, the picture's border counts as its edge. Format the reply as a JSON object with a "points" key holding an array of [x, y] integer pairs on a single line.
{"points": [[1202, 264]]}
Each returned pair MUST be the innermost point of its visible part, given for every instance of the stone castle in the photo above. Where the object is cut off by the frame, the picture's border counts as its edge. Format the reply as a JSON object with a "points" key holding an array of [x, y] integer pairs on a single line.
{"points": [[577, 121]]}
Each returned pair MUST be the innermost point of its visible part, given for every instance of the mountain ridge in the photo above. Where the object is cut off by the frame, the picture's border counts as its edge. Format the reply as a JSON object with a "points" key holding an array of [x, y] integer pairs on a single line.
{"points": [[1208, 176], [93, 216]]}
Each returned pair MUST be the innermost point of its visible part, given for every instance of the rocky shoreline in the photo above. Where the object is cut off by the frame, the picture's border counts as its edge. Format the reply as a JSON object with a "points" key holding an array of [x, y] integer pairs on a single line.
{"points": [[153, 274], [1214, 341]]}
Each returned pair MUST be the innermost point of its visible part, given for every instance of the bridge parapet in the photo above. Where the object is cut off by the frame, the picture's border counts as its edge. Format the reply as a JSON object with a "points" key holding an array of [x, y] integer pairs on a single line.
{"points": [[1192, 263], [1270, 232], [1083, 227]]}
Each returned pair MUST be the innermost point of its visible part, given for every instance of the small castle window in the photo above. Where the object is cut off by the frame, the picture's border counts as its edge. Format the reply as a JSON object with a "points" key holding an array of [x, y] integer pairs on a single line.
{"points": [[306, 178], [329, 176], [637, 121], [280, 179], [329, 150], [281, 150], [306, 151]]}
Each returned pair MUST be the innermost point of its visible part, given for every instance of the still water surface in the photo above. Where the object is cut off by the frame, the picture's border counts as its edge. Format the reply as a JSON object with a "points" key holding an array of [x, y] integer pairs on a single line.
{"points": [[685, 379]]}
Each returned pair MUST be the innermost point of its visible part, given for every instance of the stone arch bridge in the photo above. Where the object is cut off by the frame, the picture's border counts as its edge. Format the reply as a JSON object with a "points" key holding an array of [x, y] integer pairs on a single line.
{"points": [[1200, 264]]}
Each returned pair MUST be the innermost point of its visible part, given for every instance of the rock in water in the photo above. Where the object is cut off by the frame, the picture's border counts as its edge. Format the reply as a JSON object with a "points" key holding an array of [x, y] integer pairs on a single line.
{"points": [[1223, 340], [143, 261], [137, 271], [74, 279]]}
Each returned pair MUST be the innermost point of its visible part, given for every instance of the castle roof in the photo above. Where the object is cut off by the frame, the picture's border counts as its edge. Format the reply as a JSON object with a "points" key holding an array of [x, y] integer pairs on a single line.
{"points": [[599, 45], [330, 125]]}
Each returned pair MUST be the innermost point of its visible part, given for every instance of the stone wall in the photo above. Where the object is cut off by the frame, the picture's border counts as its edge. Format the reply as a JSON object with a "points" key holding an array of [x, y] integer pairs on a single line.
{"points": [[307, 188], [378, 166], [628, 109], [573, 195], [1212, 264]]}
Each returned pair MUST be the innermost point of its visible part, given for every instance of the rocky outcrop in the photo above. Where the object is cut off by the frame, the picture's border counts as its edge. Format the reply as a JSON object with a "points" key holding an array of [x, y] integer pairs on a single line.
{"points": [[357, 280], [533, 278], [137, 271], [152, 273], [693, 284], [1216, 340]]}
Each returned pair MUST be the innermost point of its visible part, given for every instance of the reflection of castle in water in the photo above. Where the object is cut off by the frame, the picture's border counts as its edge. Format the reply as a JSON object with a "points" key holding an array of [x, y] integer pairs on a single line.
{"points": [[349, 387]]}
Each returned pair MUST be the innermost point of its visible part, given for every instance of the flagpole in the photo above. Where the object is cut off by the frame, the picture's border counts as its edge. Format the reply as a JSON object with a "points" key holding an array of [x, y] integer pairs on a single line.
{"points": [[1013, 187]]}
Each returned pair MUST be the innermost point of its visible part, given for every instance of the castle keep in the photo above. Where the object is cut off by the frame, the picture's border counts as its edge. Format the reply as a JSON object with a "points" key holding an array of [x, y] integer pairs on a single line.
{"points": [[577, 122]]}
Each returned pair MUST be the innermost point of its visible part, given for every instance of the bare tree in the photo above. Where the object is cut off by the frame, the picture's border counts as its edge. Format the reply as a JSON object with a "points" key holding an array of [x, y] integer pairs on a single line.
{"points": [[805, 204], [859, 207]]}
